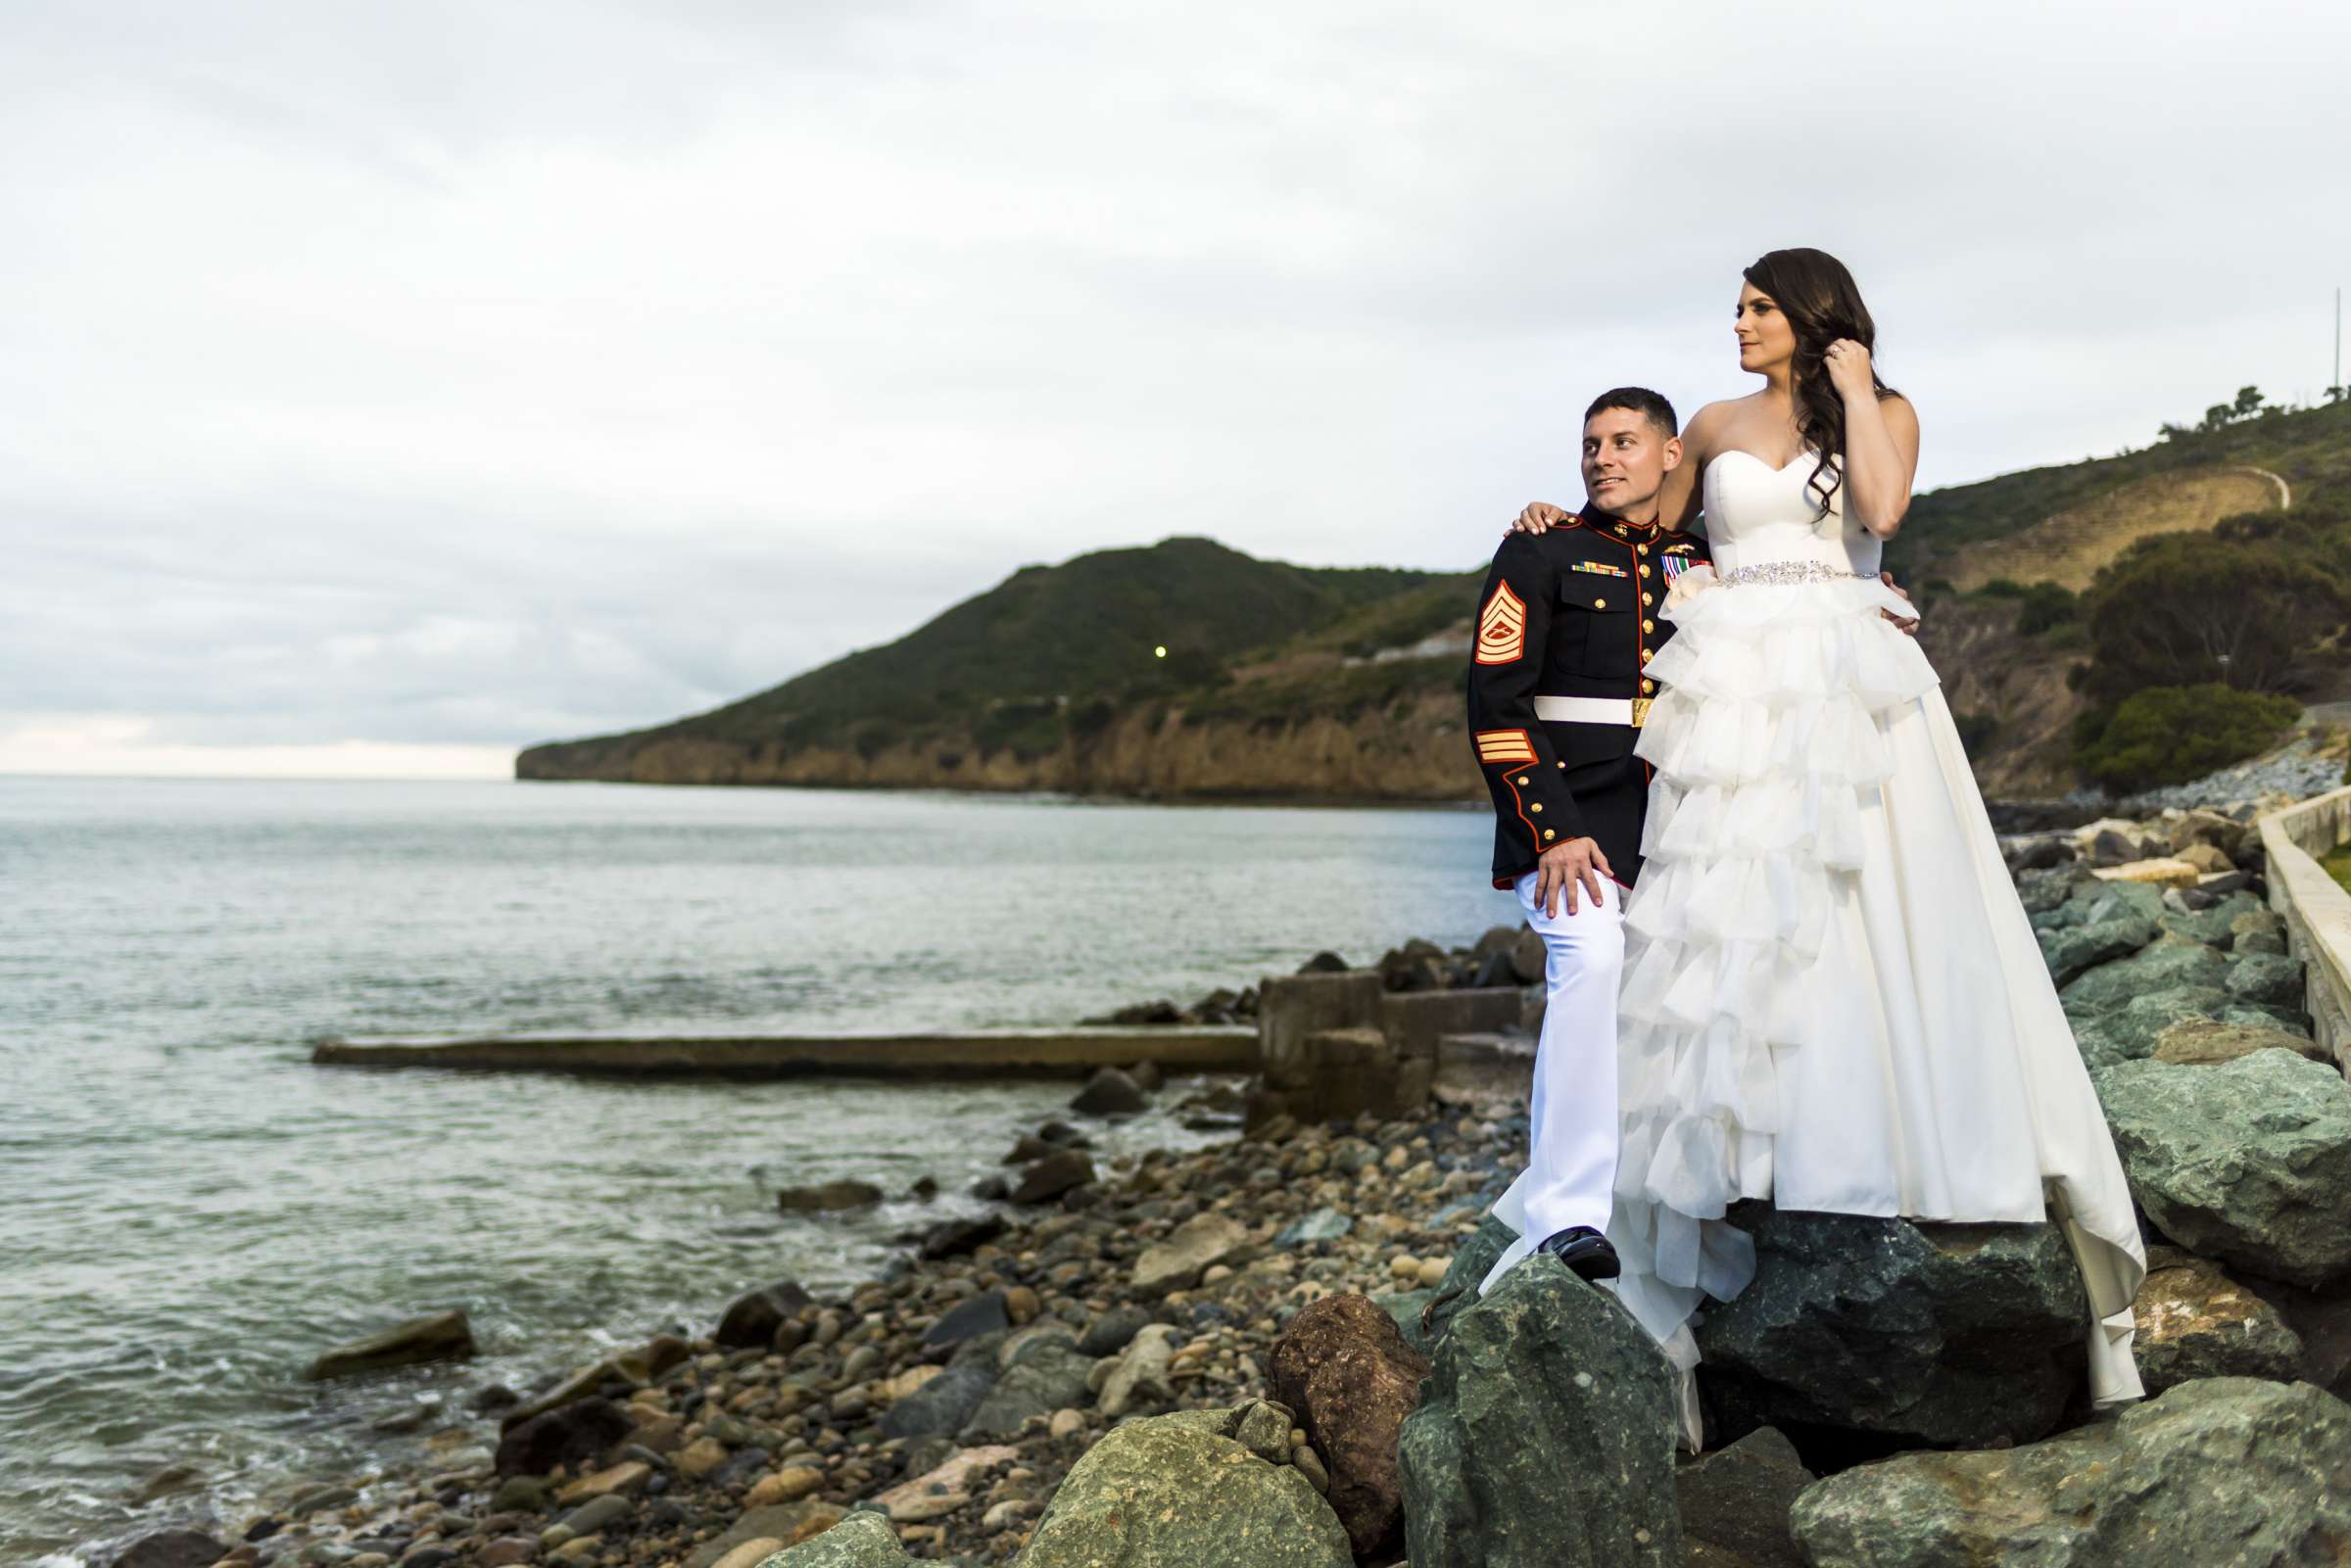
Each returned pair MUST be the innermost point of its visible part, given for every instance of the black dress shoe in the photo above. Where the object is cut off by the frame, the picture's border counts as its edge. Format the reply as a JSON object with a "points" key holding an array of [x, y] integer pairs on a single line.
{"points": [[1582, 1249]]}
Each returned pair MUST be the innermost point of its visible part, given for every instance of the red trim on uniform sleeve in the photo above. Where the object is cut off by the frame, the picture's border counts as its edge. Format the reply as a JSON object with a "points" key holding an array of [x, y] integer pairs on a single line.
{"points": [[1518, 805]]}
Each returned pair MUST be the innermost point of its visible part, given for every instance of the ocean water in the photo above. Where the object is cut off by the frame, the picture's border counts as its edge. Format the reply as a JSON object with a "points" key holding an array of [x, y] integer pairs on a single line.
{"points": [[189, 1211]]}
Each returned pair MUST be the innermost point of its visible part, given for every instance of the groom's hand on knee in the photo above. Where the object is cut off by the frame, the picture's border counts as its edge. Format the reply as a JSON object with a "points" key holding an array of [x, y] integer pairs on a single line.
{"points": [[1576, 865]]}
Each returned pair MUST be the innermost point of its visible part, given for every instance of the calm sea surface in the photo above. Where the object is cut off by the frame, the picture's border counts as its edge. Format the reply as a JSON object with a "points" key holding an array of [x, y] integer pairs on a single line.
{"points": [[189, 1211]]}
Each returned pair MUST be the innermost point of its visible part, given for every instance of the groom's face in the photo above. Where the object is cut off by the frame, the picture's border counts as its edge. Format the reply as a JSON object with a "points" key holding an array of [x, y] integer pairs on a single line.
{"points": [[1626, 459]]}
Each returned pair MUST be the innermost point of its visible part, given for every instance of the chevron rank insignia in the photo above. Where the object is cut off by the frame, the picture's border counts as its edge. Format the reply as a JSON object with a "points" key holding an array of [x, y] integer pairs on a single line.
{"points": [[1502, 628], [1504, 746], [1599, 569]]}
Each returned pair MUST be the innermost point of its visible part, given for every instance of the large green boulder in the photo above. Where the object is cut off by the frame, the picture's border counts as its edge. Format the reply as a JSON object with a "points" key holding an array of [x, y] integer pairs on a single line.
{"points": [[2071, 951], [1456, 1292], [1544, 1434], [2215, 926], [2248, 1162], [2269, 981], [2164, 965], [1198, 1488], [1917, 1331], [2223, 1473], [861, 1540]]}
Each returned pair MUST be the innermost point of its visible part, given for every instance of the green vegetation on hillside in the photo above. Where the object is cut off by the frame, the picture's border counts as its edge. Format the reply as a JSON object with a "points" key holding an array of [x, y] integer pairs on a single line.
{"points": [[2171, 733], [1053, 653]]}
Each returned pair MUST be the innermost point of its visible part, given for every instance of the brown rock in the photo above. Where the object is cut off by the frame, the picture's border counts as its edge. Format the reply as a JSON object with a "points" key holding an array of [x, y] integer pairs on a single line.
{"points": [[702, 1457], [751, 1552], [818, 1518], [906, 1382], [434, 1337], [663, 1434], [789, 1522], [2205, 1043], [1053, 1175], [506, 1551], [2163, 871], [620, 1479], [2195, 1321], [1178, 1263], [2206, 858], [172, 1549], [752, 1319], [573, 1434], [1344, 1367], [788, 1485], [944, 1488], [653, 1358]]}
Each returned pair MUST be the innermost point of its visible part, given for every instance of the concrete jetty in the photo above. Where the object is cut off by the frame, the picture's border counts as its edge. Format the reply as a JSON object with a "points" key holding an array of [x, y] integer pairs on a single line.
{"points": [[976, 1054]]}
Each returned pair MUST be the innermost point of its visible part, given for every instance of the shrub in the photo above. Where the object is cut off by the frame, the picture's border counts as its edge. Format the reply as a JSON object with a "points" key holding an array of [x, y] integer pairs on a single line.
{"points": [[2046, 605], [2183, 610], [2170, 735], [1976, 730]]}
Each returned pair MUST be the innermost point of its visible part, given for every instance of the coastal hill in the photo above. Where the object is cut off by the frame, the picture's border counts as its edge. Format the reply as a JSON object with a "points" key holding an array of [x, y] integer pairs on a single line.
{"points": [[1172, 670], [1191, 670]]}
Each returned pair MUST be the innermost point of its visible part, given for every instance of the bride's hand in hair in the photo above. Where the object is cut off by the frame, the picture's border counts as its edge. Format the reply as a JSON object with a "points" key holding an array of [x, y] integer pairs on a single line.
{"points": [[1538, 517], [1848, 364]]}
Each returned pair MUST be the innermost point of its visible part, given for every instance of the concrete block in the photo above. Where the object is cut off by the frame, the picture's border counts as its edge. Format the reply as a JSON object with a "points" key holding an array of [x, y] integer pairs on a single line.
{"points": [[1292, 1008], [1413, 1023], [1353, 1072], [1479, 1067]]}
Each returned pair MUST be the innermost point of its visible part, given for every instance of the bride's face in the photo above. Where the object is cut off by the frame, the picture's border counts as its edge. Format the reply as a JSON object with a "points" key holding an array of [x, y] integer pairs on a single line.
{"points": [[1765, 339]]}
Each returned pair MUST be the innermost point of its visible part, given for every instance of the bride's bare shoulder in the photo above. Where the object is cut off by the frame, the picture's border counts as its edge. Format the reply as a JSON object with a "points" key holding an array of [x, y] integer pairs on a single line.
{"points": [[1709, 423]]}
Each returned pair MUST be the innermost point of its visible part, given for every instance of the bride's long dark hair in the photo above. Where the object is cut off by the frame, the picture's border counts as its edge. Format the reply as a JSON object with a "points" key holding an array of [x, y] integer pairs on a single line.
{"points": [[1822, 304]]}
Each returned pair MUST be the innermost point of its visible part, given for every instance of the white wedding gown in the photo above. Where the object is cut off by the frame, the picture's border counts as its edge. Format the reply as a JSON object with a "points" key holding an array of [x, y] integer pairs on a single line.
{"points": [[1832, 996]]}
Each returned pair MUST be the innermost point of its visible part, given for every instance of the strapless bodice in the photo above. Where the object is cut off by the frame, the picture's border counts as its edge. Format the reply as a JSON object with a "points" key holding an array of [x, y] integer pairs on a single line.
{"points": [[1756, 513]]}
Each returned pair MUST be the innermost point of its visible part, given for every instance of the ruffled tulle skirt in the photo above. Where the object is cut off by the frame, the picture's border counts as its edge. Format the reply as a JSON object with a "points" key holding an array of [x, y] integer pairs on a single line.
{"points": [[1832, 996]]}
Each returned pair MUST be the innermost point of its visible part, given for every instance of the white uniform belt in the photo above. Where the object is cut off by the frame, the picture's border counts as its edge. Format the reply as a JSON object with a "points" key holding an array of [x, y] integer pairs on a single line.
{"points": [[1584, 710]]}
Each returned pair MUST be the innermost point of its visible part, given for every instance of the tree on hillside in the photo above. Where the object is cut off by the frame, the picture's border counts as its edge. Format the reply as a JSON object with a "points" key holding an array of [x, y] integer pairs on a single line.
{"points": [[2247, 404], [2188, 609]]}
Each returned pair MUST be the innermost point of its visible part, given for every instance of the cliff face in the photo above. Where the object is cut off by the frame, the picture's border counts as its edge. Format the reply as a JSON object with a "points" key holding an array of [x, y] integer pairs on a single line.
{"points": [[2015, 682], [1414, 751]]}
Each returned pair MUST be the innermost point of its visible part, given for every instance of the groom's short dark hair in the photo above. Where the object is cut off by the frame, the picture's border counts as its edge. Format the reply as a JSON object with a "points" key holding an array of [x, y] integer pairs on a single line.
{"points": [[1649, 405]]}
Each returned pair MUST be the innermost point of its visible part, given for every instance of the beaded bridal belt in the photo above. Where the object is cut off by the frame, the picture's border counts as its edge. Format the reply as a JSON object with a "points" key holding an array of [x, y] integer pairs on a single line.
{"points": [[1783, 573]]}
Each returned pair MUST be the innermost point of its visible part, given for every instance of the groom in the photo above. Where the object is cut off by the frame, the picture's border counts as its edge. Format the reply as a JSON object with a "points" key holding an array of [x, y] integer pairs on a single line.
{"points": [[1558, 690]]}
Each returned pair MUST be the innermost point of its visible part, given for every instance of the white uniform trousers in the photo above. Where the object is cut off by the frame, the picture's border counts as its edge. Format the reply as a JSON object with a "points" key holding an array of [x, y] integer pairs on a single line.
{"points": [[1570, 1173]]}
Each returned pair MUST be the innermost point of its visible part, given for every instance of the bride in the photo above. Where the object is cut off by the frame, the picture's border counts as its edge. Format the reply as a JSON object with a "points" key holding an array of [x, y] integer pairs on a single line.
{"points": [[1832, 996]]}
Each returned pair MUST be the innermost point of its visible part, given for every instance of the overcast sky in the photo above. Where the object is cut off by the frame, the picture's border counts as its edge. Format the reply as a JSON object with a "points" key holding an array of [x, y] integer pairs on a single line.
{"points": [[384, 386]]}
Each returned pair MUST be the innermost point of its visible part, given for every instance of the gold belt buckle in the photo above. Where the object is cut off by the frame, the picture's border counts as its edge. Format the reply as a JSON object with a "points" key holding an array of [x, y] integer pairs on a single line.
{"points": [[1641, 711]]}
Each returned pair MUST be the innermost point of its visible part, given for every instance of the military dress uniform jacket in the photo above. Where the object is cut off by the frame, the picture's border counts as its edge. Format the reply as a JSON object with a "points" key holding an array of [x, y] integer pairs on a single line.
{"points": [[1571, 612]]}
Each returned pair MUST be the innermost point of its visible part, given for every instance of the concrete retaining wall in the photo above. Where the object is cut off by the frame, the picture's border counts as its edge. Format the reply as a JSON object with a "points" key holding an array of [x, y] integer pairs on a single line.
{"points": [[2316, 907]]}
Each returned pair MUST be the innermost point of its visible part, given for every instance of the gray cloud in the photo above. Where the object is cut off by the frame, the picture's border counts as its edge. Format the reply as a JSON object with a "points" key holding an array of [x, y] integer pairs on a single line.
{"points": [[450, 375]]}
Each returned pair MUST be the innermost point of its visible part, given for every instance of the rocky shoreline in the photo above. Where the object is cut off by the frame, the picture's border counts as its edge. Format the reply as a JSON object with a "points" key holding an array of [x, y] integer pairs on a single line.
{"points": [[1269, 1352]]}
